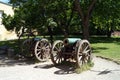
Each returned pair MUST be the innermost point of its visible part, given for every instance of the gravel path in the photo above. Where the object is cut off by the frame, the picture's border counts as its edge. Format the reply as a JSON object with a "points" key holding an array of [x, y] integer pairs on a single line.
{"points": [[22, 70]]}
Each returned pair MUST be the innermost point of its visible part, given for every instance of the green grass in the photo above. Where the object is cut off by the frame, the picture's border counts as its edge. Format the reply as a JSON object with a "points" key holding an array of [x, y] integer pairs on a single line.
{"points": [[101, 46], [14, 44], [106, 47], [84, 67]]}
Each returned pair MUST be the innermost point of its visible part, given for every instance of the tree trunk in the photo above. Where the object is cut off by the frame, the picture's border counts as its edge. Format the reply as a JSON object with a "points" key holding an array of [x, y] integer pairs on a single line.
{"points": [[109, 33], [64, 28], [66, 35], [85, 24], [85, 16], [50, 33]]}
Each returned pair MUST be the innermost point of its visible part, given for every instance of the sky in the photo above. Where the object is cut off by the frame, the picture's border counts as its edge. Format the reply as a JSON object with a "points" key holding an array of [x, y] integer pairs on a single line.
{"points": [[5, 1]]}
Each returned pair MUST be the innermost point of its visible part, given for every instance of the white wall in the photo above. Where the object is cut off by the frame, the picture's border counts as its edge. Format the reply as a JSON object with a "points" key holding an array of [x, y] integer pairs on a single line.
{"points": [[6, 8], [4, 34]]}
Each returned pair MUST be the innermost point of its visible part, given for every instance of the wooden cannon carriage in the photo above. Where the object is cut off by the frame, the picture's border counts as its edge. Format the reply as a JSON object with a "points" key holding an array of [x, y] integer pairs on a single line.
{"points": [[73, 49], [38, 47]]}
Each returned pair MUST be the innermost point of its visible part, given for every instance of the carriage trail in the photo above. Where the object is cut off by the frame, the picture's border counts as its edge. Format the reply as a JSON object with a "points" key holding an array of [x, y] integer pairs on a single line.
{"points": [[27, 70]]}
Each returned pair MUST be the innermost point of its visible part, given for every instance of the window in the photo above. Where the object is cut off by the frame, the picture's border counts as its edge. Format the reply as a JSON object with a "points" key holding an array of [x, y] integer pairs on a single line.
{"points": [[0, 14]]}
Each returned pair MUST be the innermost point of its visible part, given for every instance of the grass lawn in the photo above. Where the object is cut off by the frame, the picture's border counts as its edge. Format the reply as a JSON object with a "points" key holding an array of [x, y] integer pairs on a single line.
{"points": [[101, 46], [11, 44], [106, 47]]}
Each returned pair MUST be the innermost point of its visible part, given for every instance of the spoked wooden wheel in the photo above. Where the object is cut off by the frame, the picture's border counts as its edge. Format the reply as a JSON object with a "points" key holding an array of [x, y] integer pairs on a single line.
{"points": [[56, 52], [83, 53], [42, 50], [26, 48]]}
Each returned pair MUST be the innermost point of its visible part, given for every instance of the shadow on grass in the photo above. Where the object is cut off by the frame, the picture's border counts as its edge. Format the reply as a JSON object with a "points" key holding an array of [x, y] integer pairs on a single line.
{"points": [[104, 40], [98, 49], [118, 43], [14, 44]]}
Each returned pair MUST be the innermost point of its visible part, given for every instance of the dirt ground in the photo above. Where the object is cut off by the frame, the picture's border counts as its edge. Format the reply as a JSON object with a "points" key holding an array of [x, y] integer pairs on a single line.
{"points": [[28, 70]]}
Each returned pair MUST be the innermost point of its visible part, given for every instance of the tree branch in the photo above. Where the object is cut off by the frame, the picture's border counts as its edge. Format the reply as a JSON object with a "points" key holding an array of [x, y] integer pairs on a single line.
{"points": [[71, 15], [79, 9], [90, 8]]}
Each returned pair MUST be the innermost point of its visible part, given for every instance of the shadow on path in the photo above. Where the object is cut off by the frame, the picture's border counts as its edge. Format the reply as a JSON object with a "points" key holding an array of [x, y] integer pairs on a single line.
{"points": [[62, 69], [106, 71], [6, 62], [44, 66]]}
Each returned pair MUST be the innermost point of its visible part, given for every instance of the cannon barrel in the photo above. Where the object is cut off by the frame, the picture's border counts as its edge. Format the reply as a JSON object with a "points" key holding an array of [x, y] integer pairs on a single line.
{"points": [[37, 39], [70, 40]]}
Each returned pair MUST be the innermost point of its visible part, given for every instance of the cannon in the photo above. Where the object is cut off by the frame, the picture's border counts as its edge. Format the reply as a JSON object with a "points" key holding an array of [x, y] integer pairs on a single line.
{"points": [[38, 47], [71, 49]]}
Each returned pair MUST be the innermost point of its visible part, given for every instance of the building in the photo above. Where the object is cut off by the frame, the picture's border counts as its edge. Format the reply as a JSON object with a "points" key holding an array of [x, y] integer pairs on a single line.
{"points": [[4, 34]]}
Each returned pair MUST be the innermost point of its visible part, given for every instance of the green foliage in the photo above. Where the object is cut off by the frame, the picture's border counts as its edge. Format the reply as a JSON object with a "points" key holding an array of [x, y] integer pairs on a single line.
{"points": [[7, 20], [12, 44], [34, 14], [107, 15], [51, 22]]}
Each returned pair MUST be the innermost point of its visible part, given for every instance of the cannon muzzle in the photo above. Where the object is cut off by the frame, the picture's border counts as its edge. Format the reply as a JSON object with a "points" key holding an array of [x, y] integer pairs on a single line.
{"points": [[67, 41]]}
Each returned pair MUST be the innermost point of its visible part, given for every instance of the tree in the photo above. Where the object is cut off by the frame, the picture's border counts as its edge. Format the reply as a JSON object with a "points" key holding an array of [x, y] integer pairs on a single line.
{"points": [[84, 9], [62, 13], [50, 25], [28, 14], [36, 13], [33, 14], [106, 13], [106, 16]]}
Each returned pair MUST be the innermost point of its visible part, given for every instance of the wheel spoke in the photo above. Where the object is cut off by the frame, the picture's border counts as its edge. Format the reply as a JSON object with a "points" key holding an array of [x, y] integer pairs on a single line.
{"points": [[47, 47], [39, 46], [59, 60], [83, 53], [42, 49], [38, 49], [39, 53], [86, 47], [56, 49], [27, 48], [87, 51], [86, 59], [80, 57], [56, 52], [56, 58], [46, 44]]}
